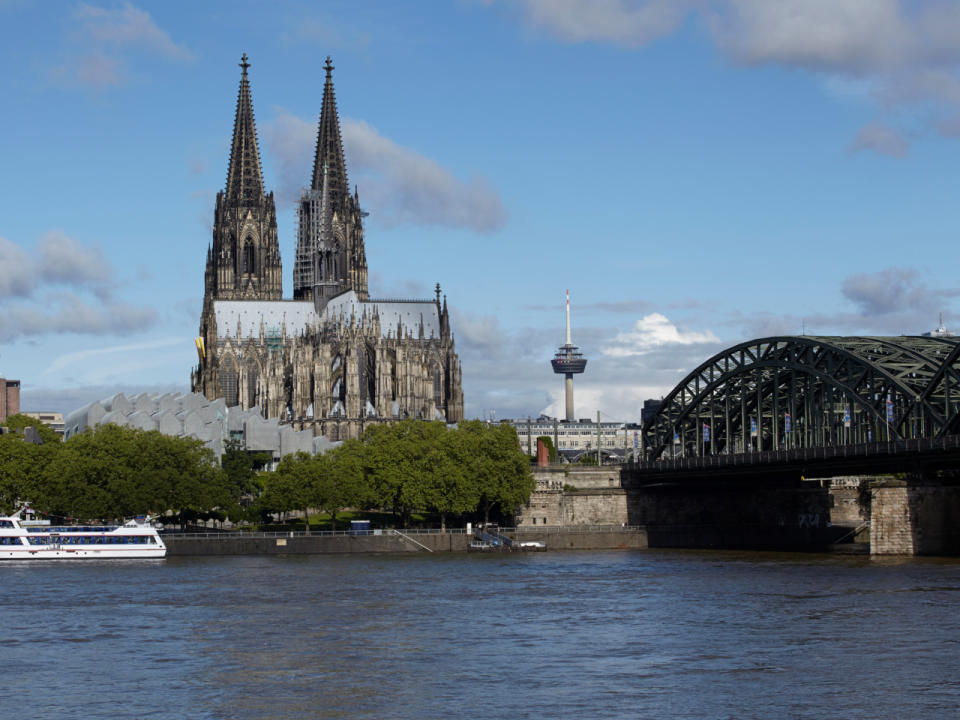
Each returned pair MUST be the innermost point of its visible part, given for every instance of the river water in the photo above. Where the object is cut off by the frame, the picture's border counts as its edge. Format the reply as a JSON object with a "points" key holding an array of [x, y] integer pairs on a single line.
{"points": [[665, 634]]}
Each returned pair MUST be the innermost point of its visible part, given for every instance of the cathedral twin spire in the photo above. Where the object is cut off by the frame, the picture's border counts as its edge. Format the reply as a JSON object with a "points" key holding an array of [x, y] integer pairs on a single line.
{"points": [[244, 258], [331, 258], [244, 176], [243, 262], [328, 158]]}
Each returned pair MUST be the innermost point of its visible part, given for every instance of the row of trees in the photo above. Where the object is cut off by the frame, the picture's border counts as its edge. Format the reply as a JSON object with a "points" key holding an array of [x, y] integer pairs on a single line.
{"points": [[110, 472], [408, 467]]}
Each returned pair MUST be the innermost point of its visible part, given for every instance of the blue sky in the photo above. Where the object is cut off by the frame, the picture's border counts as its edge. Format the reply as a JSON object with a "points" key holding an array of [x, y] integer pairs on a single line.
{"points": [[696, 172]]}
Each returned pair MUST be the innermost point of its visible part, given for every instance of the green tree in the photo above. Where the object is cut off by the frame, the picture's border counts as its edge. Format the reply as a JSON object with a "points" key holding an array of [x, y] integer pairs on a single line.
{"points": [[501, 472], [19, 421], [242, 469], [112, 471], [344, 480], [448, 487], [21, 466], [394, 464], [291, 486]]}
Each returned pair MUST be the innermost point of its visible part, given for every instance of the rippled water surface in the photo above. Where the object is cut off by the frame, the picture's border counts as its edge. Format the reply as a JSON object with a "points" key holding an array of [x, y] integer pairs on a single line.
{"points": [[591, 635]]}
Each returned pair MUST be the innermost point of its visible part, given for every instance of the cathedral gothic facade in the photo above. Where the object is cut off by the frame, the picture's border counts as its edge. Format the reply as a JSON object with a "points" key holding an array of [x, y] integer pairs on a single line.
{"points": [[331, 359]]}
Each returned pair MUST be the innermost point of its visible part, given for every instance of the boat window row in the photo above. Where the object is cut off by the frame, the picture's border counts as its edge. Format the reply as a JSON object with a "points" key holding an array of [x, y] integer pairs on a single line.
{"points": [[6, 523], [95, 540], [71, 528], [10, 541]]}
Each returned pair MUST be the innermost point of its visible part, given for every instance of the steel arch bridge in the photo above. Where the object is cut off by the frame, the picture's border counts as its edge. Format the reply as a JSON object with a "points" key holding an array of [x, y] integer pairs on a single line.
{"points": [[794, 392]]}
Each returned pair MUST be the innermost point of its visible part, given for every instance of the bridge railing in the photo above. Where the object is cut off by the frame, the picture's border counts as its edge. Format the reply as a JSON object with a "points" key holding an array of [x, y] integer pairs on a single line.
{"points": [[827, 452]]}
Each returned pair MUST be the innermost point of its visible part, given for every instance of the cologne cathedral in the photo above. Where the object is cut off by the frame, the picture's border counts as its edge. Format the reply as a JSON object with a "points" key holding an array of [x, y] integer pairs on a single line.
{"points": [[331, 359]]}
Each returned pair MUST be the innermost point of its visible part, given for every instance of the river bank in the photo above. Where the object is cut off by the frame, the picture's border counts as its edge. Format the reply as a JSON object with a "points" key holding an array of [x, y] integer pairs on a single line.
{"points": [[393, 541]]}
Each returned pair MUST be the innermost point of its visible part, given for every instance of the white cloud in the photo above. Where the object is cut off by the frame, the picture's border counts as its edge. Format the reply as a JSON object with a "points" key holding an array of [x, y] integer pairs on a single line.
{"points": [[33, 302], [62, 259], [128, 26], [901, 55], [881, 139], [398, 186], [833, 35], [623, 22], [654, 331], [15, 271], [891, 290], [100, 49], [68, 313], [291, 140], [616, 402]]}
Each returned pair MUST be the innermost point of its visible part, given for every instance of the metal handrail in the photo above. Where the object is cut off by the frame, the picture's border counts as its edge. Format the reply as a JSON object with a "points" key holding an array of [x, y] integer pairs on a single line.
{"points": [[405, 537], [554, 529]]}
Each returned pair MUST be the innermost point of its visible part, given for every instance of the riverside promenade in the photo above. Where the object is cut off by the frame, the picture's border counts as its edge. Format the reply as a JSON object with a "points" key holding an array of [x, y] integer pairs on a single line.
{"points": [[588, 537]]}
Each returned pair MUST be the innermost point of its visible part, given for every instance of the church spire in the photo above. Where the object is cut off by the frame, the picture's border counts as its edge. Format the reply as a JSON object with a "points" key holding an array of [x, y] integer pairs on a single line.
{"points": [[329, 153], [244, 176]]}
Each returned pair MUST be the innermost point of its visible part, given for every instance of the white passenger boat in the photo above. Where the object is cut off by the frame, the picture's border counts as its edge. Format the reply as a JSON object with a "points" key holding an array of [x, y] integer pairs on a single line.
{"points": [[22, 540]]}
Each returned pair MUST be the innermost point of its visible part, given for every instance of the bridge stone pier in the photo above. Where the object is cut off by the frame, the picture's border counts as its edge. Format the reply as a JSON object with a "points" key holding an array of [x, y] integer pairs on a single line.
{"points": [[915, 516]]}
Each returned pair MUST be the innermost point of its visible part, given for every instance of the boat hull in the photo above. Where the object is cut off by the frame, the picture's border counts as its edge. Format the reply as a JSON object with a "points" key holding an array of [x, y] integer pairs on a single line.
{"points": [[82, 553]]}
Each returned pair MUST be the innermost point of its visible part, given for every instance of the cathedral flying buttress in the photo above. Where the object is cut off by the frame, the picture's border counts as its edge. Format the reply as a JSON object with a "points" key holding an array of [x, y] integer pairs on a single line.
{"points": [[331, 359]]}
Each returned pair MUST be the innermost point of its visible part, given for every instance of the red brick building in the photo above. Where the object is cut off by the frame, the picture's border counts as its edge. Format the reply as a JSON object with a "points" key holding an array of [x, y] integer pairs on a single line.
{"points": [[9, 398]]}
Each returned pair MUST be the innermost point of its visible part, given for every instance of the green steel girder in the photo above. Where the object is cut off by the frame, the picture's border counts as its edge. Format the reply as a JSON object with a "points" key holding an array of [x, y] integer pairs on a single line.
{"points": [[810, 377]]}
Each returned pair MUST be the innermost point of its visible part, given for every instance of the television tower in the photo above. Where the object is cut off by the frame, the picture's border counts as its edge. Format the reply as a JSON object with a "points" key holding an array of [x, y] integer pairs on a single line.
{"points": [[569, 362]]}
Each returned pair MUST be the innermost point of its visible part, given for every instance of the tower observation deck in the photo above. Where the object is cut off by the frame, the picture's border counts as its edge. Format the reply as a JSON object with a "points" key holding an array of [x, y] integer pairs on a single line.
{"points": [[569, 361]]}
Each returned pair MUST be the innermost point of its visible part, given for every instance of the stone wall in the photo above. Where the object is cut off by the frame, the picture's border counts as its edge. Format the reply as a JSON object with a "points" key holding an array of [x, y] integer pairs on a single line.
{"points": [[851, 494], [595, 507], [915, 520], [316, 544], [593, 497], [552, 538]]}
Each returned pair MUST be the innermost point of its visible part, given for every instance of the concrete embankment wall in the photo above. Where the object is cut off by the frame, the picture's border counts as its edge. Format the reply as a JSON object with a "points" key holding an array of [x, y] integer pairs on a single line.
{"points": [[632, 539], [554, 539], [314, 544]]}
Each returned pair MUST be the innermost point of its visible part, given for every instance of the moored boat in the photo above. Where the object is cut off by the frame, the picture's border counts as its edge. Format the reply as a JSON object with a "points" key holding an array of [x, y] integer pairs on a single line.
{"points": [[21, 540]]}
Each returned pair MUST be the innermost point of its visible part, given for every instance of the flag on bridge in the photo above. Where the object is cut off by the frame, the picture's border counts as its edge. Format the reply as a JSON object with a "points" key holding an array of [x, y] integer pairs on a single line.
{"points": [[889, 409], [753, 427], [786, 422], [676, 438], [636, 441], [846, 417], [706, 433]]}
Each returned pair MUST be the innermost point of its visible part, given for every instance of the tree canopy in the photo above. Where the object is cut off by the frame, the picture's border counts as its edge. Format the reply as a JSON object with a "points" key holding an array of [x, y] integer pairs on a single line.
{"points": [[111, 472], [406, 467]]}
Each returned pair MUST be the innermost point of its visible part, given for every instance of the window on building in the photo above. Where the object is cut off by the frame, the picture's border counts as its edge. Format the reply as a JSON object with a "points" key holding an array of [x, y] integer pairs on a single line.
{"points": [[248, 257], [253, 375], [228, 382]]}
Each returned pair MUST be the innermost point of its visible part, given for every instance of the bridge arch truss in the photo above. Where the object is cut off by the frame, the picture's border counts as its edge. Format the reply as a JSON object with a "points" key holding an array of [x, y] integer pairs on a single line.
{"points": [[792, 392]]}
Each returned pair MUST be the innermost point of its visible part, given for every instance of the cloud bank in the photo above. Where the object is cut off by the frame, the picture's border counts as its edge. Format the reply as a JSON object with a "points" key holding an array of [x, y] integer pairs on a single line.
{"points": [[906, 52], [398, 185], [100, 50], [63, 287]]}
